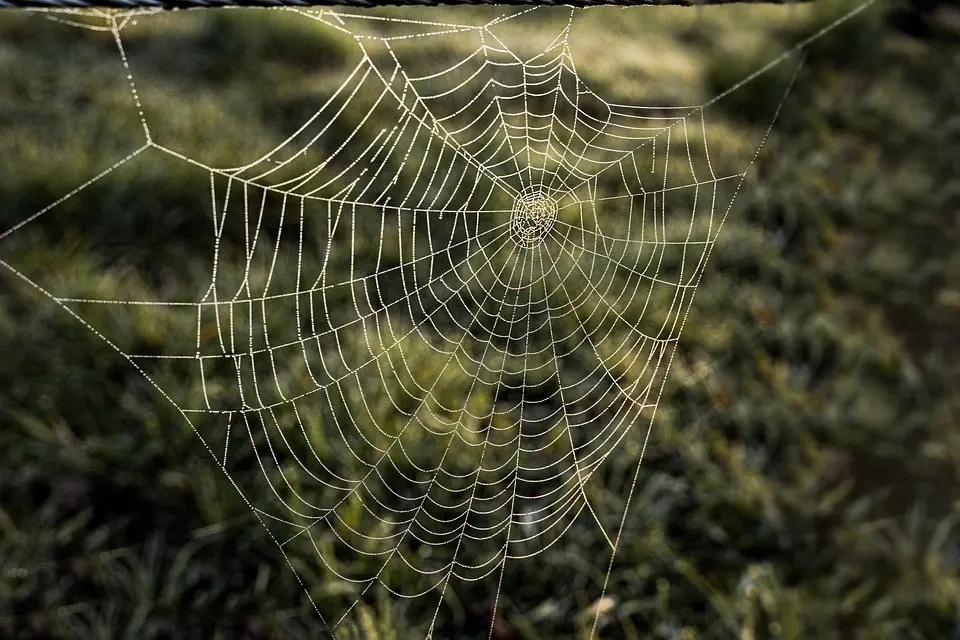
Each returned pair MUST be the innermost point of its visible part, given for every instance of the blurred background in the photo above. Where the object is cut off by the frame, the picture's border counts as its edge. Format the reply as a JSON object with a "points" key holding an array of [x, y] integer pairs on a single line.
{"points": [[802, 478]]}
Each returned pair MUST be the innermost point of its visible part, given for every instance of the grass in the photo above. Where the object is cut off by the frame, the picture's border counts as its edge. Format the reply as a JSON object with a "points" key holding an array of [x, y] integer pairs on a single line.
{"points": [[801, 477]]}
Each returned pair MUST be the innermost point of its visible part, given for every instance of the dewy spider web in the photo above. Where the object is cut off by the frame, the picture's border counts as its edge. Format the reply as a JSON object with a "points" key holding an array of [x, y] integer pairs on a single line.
{"points": [[535, 248]]}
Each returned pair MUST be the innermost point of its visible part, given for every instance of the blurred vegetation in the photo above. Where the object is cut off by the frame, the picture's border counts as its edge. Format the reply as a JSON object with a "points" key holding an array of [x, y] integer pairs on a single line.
{"points": [[803, 476]]}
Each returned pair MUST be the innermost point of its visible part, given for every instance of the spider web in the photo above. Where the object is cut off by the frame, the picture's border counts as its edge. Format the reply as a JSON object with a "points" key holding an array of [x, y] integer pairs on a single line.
{"points": [[457, 292]]}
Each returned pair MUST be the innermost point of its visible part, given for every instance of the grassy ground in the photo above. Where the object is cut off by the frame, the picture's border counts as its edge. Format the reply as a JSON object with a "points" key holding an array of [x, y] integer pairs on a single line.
{"points": [[803, 476]]}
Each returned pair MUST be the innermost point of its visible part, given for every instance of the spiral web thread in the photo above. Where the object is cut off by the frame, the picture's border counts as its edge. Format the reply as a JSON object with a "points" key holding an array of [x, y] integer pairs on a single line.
{"points": [[432, 420]]}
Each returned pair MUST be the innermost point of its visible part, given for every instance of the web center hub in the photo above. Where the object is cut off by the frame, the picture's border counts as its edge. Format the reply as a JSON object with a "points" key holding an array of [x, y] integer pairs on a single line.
{"points": [[532, 218]]}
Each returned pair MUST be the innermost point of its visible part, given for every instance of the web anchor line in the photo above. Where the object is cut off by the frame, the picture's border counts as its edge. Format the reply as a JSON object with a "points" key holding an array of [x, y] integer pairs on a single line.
{"points": [[172, 5]]}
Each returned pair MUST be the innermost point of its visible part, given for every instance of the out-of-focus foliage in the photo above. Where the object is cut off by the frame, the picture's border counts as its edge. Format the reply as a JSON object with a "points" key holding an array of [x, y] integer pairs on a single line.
{"points": [[803, 476]]}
